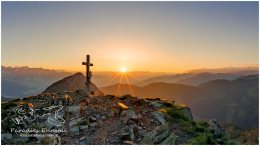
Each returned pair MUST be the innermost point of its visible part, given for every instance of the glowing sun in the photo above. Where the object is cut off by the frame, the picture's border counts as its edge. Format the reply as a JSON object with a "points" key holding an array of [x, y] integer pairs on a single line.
{"points": [[123, 70]]}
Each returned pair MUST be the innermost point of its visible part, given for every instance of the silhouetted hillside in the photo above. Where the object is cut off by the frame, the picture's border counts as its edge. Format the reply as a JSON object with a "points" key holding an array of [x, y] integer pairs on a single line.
{"points": [[205, 77], [72, 83], [165, 78], [230, 101], [196, 77], [233, 101], [154, 90]]}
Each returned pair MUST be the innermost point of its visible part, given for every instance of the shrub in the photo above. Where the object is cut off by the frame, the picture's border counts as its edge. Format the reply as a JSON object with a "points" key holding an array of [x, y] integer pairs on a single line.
{"points": [[46, 141], [176, 112], [202, 139]]}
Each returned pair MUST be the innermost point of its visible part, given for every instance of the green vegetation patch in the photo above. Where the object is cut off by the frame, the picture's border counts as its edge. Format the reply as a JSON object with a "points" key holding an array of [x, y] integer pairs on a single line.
{"points": [[198, 131], [8, 105], [176, 112], [202, 139]]}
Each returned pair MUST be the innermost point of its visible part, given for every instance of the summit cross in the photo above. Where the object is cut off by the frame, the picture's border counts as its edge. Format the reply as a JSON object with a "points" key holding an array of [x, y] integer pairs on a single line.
{"points": [[88, 72]]}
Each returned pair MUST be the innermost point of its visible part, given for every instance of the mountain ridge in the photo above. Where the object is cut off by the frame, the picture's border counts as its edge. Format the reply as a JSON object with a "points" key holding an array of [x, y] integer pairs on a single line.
{"points": [[242, 91]]}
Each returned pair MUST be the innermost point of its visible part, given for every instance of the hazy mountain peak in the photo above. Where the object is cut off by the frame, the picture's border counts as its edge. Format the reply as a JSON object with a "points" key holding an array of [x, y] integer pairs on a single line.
{"points": [[72, 83]]}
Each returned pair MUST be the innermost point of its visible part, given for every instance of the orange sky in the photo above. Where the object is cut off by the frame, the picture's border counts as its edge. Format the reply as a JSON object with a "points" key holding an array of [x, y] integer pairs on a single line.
{"points": [[156, 37]]}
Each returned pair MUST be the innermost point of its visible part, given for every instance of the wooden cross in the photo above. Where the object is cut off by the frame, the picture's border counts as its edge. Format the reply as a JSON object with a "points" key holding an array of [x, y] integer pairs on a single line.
{"points": [[88, 72]]}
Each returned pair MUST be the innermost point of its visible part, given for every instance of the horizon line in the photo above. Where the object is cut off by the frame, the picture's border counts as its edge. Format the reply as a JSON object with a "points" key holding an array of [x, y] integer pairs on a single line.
{"points": [[255, 66]]}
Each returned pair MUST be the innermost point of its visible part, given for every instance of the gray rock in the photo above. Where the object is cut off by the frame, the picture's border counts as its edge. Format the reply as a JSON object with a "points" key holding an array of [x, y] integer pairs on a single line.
{"points": [[156, 104], [92, 119], [75, 130], [83, 128], [74, 108], [169, 140], [127, 133], [114, 141], [82, 138], [73, 123], [76, 121], [141, 133], [215, 128], [98, 116], [124, 134], [159, 116], [132, 135], [148, 138], [5, 137], [160, 135], [103, 117], [131, 114], [23, 139], [159, 138], [84, 141], [93, 125], [162, 128]]}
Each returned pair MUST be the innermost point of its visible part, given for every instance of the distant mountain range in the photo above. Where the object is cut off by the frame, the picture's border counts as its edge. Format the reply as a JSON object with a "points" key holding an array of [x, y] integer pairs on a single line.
{"points": [[194, 78], [25, 81], [234, 101]]}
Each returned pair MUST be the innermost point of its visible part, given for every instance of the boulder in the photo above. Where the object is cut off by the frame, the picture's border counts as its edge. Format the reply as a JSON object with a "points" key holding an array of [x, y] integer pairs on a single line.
{"points": [[156, 105], [170, 140], [148, 138], [127, 133], [76, 121], [160, 137], [93, 125], [74, 109], [74, 130], [103, 117], [5, 137], [115, 140], [215, 128], [159, 116], [92, 119], [98, 117], [83, 128], [187, 113], [130, 114], [84, 141]]}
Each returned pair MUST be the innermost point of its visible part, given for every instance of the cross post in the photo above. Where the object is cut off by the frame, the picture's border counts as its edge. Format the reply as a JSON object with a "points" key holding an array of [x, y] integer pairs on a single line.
{"points": [[88, 72]]}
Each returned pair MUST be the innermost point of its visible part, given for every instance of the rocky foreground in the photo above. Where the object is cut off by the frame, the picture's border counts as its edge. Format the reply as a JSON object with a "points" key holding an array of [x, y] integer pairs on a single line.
{"points": [[73, 118]]}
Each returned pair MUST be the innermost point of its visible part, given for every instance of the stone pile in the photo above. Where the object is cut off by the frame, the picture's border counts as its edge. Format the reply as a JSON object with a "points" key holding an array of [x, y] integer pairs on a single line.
{"points": [[104, 120]]}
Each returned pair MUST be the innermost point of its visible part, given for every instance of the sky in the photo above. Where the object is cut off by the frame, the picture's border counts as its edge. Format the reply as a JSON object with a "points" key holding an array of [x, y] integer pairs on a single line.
{"points": [[137, 36]]}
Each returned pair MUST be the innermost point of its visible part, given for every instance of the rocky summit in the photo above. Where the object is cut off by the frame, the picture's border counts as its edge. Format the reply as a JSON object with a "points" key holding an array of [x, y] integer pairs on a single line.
{"points": [[72, 83], [74, 118]]}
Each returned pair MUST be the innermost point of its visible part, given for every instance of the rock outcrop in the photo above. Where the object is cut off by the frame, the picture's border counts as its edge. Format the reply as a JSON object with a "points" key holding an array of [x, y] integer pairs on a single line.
{"points": [[103, 120]]}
